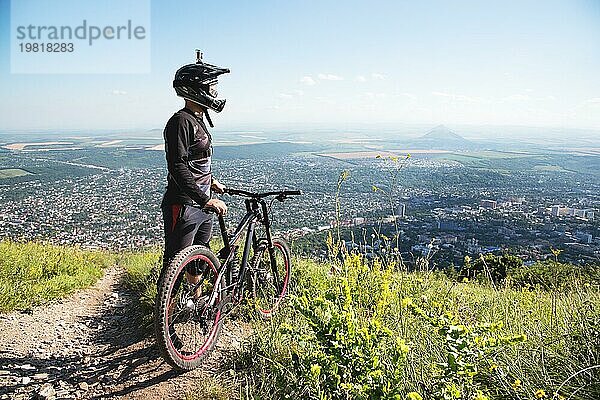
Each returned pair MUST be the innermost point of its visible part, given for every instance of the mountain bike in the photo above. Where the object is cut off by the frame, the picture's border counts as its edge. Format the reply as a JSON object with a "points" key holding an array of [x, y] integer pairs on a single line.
{"points": [[198, 289]]}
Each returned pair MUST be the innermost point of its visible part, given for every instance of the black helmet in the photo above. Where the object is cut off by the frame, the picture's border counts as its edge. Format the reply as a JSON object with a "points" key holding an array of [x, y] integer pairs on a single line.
{"points": [[193, 82]]}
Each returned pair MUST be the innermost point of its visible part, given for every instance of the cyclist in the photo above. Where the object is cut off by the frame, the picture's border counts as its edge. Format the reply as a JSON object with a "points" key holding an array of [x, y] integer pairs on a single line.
{"points": [[188, 148]]}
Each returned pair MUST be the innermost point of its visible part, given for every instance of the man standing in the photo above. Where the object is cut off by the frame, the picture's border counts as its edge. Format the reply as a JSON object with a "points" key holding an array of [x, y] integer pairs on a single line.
{"points": [[188, 148]]}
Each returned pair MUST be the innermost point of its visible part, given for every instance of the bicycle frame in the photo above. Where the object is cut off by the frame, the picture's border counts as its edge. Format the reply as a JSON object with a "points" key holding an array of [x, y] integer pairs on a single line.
{"points": [[256, 213]]}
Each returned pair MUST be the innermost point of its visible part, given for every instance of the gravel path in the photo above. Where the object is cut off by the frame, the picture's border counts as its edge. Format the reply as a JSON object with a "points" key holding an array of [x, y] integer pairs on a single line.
{"points": [[90, 346]]}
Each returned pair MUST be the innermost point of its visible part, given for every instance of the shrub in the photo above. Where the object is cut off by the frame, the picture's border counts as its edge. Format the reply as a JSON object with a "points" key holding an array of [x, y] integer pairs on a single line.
{"points": [[340, 345], [490, 267]]}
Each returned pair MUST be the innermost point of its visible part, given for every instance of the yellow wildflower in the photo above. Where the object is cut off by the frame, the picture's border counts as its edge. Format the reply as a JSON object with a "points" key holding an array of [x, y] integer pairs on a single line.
{"points": [[413, 396], [516, 383], [402, 346], [454, 391], [407, 301], [480, 396], [315, 370], [540, 393]]}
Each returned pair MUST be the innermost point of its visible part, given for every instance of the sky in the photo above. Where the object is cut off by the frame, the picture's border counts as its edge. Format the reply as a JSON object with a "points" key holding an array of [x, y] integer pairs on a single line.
{"points": [[337, 64]]}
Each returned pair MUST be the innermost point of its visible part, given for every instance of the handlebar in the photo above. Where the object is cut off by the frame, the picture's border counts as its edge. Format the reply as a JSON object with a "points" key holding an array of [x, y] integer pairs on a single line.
{"points": [[280, 194]]}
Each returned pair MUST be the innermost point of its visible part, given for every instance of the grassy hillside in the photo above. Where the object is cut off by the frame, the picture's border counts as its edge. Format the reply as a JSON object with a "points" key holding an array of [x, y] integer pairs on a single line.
{"points": [[371, 332], [365, 330], [35, 273], [368, 331]]}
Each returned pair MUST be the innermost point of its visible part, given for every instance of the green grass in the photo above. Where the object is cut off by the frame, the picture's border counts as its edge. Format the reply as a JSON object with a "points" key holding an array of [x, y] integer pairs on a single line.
{"points": [[34, 273], [370, 332], [12, 173], [141, 274], [561, 330]]}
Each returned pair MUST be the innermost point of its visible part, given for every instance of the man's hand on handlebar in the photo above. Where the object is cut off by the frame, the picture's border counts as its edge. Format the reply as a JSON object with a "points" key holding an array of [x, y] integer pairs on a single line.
{"points": [[217, 186], [217, 205]]}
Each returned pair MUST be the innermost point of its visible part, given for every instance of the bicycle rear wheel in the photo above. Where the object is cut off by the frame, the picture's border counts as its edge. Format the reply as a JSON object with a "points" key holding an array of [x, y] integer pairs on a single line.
{"points": [[270, 281], [187, 326]]}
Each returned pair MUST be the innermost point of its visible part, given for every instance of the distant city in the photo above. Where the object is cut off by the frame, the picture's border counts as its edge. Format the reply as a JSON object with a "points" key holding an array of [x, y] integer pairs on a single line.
{"points": [[449, 199]]}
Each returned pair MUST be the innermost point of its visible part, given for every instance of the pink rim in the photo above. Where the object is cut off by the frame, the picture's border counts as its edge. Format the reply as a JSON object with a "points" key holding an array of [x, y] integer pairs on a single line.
{"points": [[213, 331], [285, 282]]}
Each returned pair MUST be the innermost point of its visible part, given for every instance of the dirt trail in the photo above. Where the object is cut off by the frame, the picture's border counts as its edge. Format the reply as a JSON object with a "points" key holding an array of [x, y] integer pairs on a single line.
{"points": [[90, 346]]}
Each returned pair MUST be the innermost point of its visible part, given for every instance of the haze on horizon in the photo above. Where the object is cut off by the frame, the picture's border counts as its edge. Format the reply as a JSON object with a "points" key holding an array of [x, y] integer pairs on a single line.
{"points": [[381, 65]]}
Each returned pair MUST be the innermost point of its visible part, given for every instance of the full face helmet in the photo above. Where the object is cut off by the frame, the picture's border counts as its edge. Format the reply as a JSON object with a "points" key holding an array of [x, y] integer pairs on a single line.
{"points": [[193, 82]]}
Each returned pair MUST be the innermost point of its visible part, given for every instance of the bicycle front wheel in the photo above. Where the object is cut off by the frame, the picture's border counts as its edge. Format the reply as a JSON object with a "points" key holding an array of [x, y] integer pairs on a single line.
{"points": [[270, 280], [187, 317]]}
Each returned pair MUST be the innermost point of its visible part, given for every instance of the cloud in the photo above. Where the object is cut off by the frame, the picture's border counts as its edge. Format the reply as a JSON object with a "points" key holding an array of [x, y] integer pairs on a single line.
{"points": [[378, 77], [330, 77], [594, 100], [307, 80], [525, 97], [294, 93], [456, 97], [407, 95], [360, 78], [118, 92], [517, 97], [373, 96]]}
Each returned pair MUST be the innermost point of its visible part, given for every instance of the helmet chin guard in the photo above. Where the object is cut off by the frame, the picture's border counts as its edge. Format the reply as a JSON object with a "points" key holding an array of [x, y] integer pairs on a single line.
{"points": [[193, 82]]}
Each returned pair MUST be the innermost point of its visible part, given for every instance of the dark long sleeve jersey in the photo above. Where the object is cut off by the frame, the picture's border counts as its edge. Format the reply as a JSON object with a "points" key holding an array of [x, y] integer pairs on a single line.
{"points": [[188, 153]]}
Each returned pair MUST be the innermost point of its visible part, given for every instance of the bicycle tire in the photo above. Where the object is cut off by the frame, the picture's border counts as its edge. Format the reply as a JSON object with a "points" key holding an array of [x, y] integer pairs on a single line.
{"points": [[267, 295], [170, 285]]}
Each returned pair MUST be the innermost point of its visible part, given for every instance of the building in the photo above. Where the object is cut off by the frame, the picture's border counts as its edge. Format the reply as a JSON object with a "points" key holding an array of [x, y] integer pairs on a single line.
{"points": [[516, 200], [541, 210], [448, 225], [589, 214], [401, 210], [488, 204], [559, 211], [584, 237], [358, 221]]}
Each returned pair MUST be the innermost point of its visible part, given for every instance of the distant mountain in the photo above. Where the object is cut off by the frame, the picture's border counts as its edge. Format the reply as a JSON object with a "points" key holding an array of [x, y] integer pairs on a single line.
{"points": [[441, 132], [441, 138]]}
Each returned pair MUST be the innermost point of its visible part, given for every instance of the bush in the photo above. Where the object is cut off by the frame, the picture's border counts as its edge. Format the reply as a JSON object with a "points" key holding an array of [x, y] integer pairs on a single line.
{"points": [[340, 347], [490, 267]]}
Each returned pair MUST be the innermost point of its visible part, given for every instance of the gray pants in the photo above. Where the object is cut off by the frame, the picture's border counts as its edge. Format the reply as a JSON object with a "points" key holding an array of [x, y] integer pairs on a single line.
{"points": [[184, 226]]}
